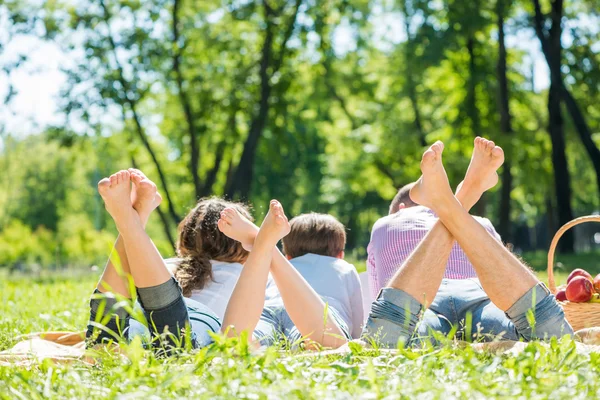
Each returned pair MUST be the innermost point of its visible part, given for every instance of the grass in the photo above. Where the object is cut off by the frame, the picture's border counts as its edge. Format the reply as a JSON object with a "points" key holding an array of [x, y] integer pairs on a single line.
{"points": [[229, 370]]}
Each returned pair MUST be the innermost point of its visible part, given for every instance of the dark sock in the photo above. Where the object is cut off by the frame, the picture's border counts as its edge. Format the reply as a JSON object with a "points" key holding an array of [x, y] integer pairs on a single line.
{"points": [[116, 325]]}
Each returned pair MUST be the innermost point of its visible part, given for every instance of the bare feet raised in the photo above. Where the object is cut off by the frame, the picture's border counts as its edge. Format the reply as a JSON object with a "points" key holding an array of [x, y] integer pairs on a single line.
{"points": [[433, 184], [237, 227], [481, 174], [275, 225], [144, 193], [115, 192]]}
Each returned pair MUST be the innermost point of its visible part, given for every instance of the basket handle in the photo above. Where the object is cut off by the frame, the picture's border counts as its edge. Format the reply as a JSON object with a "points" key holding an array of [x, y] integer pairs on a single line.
{"points": [[557, 236]]}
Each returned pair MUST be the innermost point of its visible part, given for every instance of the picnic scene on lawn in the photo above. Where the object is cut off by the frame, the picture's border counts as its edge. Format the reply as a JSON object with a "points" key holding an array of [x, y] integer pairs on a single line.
{"points": [[268, 199]]}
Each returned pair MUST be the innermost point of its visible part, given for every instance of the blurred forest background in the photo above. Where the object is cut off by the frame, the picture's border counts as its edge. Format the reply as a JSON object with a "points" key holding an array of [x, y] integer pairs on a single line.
{"points": [[325, 105]]}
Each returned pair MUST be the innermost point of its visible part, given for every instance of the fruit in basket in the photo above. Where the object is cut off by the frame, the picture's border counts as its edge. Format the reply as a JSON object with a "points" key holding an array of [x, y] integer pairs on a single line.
{"points": [[579, 272], [595, 298], [580, 289], [597, 283], [561, 295]]}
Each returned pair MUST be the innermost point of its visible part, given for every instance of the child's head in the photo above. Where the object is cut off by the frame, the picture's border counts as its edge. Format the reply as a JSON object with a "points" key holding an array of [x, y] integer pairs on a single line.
{"points": [[317, 234], [200, 241]]}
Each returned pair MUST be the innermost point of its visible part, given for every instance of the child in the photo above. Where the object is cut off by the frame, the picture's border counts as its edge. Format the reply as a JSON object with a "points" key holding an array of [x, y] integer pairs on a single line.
{"points": [[315, 247], [159, 294], [298, 312]]}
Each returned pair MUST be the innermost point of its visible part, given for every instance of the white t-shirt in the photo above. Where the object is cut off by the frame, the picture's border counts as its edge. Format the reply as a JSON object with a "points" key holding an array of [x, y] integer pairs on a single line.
{"points": [[217, 292], [338, 284]]}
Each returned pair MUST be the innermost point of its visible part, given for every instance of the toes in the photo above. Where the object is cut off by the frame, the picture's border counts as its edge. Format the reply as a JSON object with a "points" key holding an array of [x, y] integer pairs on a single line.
{"points": [[114, 179], [479, 142], [137, 171], [438, 147], [104, 184], [497, 152], [489, 145], [136, 178]]}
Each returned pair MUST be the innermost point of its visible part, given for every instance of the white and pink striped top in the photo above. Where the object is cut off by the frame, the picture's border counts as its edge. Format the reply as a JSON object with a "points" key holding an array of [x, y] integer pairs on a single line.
{"points": [[395, 236]]}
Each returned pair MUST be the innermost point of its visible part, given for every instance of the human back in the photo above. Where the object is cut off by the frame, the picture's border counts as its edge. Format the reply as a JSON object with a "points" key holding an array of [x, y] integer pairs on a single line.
{"points": [[315, 247], [395, 236]]}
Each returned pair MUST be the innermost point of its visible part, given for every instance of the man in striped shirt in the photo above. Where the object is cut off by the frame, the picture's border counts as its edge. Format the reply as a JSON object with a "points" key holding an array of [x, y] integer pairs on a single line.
{"points": [[418, 304], [395, 236]]}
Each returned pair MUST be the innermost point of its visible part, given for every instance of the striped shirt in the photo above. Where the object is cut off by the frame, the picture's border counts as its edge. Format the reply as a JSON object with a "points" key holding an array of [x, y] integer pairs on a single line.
{"points": [[394, 238]]}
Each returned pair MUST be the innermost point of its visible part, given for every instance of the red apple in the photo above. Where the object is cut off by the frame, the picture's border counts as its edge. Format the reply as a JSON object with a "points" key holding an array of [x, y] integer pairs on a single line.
{"points": [[597, 283], [579, 272], [561, 295], [580, 290]]}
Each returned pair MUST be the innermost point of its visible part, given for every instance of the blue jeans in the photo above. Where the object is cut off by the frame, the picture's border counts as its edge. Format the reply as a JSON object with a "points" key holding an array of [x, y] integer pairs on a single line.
{"points": [[166, 311], [275, 324], [463, 305]]}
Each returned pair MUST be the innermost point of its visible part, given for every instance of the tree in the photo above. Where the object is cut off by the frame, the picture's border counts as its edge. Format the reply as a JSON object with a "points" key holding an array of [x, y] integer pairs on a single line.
{"points": [[504, 227], [552, 49]]}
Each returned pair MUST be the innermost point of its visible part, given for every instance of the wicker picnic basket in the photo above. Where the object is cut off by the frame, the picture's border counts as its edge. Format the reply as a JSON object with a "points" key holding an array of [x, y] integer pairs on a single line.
{"points": [[579, 315]]}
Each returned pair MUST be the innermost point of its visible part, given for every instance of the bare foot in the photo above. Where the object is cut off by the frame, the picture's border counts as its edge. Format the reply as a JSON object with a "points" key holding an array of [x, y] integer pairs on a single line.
{"points": [[237, 227], [433, 184], [115, 192], [144, 193], [481, 174], [275, 225]]}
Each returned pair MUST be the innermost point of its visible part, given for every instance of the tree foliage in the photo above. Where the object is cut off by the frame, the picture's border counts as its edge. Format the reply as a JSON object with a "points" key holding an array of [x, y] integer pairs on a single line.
{"points": [[324, 105]]}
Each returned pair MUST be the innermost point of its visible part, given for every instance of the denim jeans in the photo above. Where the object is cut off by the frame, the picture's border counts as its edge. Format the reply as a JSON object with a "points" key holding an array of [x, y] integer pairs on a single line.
{"points": [[167, 312], [463, 305], [275, 324]]}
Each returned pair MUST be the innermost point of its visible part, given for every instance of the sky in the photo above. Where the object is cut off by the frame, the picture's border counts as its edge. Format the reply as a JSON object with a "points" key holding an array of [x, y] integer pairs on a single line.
{"points": [[38, 82]]}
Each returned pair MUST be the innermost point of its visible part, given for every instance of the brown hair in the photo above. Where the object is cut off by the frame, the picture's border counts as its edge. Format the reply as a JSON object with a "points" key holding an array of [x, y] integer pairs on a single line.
{"points": [[403, 196], [200, 241], [315, 233]]}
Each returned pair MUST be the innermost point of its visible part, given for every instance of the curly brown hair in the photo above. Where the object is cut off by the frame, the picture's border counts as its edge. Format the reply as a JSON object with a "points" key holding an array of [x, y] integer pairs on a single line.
{"points": [[200, 241]]}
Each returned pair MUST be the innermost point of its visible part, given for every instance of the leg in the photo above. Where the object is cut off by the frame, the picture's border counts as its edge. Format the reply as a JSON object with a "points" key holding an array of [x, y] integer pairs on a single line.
{"points": [[502, 275], [399, 306], [144, 198], [429, 259], [504, 278], [159, 294], [247, 301], [304, 306]]}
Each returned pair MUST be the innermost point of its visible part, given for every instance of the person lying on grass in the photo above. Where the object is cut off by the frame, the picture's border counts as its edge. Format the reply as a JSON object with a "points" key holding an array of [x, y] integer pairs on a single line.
{"points": [[313, 272], [209, 263], [159, 293], [130, 197], [506, 300], [395, 236]]}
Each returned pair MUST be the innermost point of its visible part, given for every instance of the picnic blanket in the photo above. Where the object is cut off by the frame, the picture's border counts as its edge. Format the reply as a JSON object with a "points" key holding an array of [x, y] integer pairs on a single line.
{"points": [[68, 347], [61, 347]]}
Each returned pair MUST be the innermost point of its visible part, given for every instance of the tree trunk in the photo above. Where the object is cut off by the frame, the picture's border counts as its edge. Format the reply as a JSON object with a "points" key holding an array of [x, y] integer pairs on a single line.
{"points": [[472, 110], [562, 179], [185, 102], [504, 227], [411, 84], [584, 131], [242, 178], [552, 49], [241, 182]]}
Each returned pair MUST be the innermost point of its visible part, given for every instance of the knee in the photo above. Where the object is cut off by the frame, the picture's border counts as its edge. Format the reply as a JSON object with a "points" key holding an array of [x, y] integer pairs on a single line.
{"points": [[393, 318], [543, 319]]}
